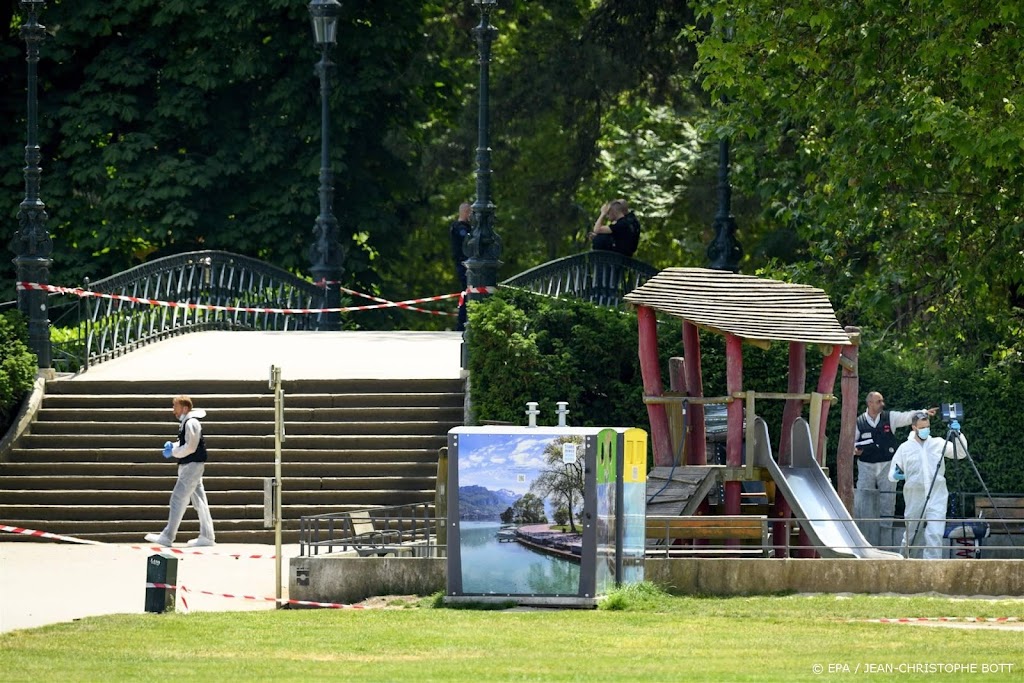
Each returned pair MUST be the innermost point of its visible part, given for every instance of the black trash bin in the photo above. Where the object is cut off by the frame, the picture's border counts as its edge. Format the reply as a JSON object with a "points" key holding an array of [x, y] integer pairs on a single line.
{"points": [[161, 569]]}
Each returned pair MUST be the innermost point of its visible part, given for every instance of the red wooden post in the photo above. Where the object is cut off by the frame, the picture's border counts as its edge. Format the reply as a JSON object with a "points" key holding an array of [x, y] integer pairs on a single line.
{"points": [[734, 435], [697, 448], [651, 372], [794, 408], [826, 383], [850, 384]]}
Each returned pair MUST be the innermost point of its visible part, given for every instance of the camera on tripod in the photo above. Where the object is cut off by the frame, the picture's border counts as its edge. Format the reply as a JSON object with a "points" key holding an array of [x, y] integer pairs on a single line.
{"points": [[952, 412]]}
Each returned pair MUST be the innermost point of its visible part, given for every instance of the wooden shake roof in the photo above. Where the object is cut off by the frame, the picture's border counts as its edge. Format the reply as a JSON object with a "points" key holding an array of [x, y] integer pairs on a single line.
{"points": [[754, 308]]}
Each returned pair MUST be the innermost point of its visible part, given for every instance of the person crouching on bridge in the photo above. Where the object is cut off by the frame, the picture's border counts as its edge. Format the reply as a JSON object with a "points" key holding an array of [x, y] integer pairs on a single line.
{"points": [[919, 461], [190, 452]]}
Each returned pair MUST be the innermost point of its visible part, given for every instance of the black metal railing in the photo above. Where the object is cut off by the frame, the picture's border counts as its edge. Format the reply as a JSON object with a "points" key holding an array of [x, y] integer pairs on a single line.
{"points": [[600, 277], [112, 327], [410, 530]]}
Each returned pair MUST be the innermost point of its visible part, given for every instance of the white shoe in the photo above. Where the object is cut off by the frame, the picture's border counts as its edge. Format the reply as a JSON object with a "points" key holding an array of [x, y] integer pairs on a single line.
{"points": [[200, 542], [158, 539]]}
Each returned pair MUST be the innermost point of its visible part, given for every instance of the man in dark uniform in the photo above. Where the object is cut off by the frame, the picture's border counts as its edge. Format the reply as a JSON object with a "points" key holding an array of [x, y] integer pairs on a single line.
{"points": [[876, 443], [457, 233]]}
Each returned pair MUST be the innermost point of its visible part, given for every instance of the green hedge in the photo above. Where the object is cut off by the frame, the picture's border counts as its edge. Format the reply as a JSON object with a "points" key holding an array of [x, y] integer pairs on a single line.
{"points": [[524, 347], [17, 365]]}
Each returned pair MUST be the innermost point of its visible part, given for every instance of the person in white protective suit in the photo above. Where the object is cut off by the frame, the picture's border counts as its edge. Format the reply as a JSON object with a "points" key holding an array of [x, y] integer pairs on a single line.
{"points": [[917, 462]]}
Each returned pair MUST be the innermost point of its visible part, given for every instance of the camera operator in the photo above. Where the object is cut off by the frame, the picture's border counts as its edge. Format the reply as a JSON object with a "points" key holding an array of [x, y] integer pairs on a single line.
{"points": [[875, 496], [919, 463]]}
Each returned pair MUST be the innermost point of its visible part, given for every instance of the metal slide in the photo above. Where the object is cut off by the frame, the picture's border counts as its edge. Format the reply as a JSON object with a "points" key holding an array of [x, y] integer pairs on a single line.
{"points": [[812, 497]]}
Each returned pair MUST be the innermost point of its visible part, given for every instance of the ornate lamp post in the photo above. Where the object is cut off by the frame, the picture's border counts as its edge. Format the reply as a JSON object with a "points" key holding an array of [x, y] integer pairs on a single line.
{"points": [[32, 244], [483, 246], [326, 254], [725, 251]]}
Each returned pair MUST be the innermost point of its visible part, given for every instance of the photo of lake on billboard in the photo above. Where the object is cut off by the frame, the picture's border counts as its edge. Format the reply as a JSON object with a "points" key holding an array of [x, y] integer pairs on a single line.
{"points": [[520, 501]]}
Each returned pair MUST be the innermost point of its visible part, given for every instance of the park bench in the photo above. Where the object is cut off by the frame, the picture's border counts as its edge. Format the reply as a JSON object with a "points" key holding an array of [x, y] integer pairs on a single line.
{"points": [[664, 531], [1007, 517], [359, 532]]}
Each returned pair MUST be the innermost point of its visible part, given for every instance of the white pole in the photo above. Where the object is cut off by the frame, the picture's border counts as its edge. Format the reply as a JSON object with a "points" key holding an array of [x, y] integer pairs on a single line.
{"points": [[275, 379]]}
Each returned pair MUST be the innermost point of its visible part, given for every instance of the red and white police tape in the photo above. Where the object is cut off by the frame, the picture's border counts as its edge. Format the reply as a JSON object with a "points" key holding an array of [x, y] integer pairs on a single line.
{"points": [[47, 534], [156, 548], [923, 620], [407, 304], [283, 601]]}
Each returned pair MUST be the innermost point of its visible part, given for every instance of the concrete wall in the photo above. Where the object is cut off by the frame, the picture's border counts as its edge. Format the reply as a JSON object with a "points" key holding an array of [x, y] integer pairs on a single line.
{"points": [[329, 578], [752, 577]]}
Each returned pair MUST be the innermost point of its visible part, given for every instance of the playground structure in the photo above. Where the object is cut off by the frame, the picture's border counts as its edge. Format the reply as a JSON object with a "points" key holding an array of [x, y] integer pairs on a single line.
{"points": [[757, 311]]}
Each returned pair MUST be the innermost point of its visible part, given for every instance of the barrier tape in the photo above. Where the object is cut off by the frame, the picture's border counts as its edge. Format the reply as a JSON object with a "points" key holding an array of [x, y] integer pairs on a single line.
{"points": [[283, 601], [79, 292], [47, 534], [371, 297], [922, 620], [155, 548]]}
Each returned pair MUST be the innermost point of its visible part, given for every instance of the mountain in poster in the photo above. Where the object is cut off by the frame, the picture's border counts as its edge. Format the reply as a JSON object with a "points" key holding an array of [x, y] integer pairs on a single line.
{"points": [[480, 503]]}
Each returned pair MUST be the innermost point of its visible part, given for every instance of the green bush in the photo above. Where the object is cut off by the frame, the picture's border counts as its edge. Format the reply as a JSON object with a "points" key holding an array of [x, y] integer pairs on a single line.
{"points": [[17, 365], [524, 347]]}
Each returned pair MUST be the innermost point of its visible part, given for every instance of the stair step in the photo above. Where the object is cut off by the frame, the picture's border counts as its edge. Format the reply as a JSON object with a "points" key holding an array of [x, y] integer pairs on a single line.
{"points": [[21, 515], [292, 414], [220, 469], [164, 484], [167, 389], [213, 403], [340, 441], [123, 497], [152, 455], [157, 430]]}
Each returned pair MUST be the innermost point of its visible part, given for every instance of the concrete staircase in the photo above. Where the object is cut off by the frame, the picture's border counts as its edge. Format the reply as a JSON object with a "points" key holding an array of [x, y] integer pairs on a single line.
{"points": [[91, 465]]}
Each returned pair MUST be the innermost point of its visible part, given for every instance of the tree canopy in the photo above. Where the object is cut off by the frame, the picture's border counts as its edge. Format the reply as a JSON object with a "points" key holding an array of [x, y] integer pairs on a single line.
{"points": [[888, 138], [877, 147]]}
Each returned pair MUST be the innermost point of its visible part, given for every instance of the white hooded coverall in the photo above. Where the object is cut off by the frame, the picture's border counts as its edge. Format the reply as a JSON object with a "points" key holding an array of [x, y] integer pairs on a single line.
{"points": [[921, 462]]}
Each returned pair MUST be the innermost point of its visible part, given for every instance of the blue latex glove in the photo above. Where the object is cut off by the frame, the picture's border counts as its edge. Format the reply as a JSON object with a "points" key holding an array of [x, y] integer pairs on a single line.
{"points": [[168, 447], [899, 475], [954, 427]]}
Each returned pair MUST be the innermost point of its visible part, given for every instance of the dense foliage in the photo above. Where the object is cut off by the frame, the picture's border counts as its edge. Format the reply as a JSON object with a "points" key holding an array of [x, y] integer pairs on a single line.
{"points": [[17, 365], [887, 136]]}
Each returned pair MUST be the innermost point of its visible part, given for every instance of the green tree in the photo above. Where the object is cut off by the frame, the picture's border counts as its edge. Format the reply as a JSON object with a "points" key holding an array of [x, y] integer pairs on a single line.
{"points": [[179, 125], [887, 137], [529, 509], [562, 480]]}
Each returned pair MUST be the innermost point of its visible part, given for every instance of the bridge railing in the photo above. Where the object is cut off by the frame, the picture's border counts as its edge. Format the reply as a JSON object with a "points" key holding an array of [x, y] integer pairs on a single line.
{"points": [[213, 278], [600, 277]]}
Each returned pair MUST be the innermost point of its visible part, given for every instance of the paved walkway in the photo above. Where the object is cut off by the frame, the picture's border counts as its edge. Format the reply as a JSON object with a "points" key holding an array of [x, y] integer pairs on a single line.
{"points": [[49, 582], [300, 355]]}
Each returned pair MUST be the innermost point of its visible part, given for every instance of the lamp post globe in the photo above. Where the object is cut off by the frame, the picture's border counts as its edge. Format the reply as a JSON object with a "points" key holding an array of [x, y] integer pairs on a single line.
{"points": [[483, 246], [31, 244], [326, 254]]}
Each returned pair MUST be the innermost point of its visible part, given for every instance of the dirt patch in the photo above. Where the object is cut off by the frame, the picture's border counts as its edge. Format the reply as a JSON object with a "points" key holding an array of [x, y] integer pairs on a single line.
{"points": [[391, 602]]}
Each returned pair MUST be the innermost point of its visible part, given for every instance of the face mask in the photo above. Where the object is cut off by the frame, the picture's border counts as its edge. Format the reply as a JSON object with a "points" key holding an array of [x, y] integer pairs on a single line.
{"points": [[923, 434]]}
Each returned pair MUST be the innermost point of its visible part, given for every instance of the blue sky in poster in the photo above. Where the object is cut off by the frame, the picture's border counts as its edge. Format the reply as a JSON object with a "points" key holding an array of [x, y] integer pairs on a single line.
{"points": [[502, 461]]}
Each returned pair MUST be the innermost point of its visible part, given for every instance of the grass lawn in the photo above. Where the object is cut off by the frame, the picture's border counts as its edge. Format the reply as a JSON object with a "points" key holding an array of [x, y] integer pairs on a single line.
{"points": [[649, 636]]}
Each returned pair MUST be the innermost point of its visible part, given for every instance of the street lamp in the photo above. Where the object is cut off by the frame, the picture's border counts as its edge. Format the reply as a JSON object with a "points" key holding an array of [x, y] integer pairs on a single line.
{"points": [[326, 254], [32, 244], [483, 246], [725, 251]]}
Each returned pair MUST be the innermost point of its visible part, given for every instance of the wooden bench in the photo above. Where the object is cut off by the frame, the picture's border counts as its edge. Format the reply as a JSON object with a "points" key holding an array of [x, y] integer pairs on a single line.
{"points": [[664, 530], [1008, 509]]}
